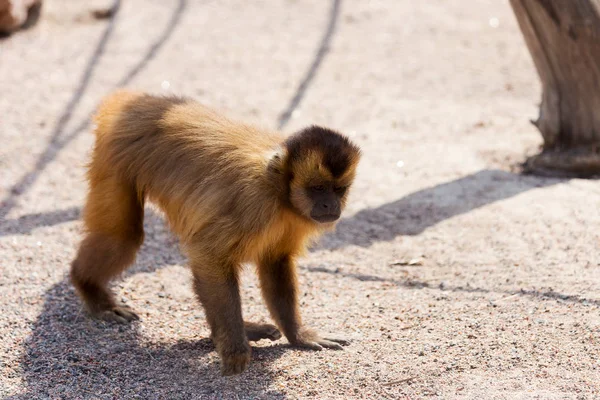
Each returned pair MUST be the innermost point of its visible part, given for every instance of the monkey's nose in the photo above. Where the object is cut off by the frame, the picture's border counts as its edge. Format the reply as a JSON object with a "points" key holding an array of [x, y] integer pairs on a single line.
{"points": [[325, 212]]}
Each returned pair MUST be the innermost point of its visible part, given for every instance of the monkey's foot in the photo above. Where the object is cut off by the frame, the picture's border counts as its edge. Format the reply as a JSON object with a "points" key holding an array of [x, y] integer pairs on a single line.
{"points": [[234, 362], [256, 332], [120, 314], [311, 340]]}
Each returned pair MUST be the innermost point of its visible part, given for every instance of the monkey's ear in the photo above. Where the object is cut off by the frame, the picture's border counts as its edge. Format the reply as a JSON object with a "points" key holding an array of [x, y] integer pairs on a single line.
{"points": [[276, 161]]}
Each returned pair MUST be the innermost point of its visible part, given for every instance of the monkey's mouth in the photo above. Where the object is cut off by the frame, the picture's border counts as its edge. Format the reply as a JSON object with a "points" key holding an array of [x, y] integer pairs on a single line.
{"points": [[325, 218]]}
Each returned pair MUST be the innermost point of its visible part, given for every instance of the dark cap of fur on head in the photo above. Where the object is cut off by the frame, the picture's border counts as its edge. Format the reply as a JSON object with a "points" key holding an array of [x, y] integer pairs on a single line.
{"points": [[338, 152]]}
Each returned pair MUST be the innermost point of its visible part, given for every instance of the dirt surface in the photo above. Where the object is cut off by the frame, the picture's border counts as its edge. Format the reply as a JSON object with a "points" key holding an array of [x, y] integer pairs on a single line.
{"points": [[501, 299]]}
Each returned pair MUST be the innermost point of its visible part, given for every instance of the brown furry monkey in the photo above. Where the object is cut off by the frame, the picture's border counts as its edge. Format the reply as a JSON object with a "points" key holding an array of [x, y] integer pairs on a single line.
{"points": [[231, 192]]}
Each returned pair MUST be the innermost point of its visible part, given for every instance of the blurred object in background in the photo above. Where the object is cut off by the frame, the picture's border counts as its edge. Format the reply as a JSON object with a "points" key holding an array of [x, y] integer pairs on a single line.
{"points": [[15, 14], [104, 13]]}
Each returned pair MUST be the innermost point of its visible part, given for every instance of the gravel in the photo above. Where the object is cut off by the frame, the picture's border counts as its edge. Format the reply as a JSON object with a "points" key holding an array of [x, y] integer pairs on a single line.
{"points": [[503, 301]]}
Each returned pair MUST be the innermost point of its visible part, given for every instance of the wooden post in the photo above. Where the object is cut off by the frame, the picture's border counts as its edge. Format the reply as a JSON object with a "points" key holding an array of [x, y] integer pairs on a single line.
{"points": [[563, 38]]}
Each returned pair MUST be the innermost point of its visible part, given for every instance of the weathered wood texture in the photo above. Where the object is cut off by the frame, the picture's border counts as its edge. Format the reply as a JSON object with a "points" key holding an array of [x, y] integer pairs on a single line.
{"points": [[563, 38]]}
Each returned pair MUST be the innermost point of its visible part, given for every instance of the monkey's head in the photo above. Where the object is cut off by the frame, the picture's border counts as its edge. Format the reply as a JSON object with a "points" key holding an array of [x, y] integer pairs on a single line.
{"points": [[318, 166]]}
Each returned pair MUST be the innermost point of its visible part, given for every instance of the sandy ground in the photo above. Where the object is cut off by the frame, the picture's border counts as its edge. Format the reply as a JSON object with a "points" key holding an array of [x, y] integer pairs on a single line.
{"points": [[502, 300]]}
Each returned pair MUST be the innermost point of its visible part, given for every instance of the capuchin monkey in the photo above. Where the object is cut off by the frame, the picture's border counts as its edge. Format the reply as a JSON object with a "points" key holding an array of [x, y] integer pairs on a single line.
{"points": [[232, 193]]}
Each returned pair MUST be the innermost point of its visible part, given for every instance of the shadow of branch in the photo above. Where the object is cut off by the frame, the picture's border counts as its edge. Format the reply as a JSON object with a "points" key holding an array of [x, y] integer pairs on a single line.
{"points": [[59, 138], [412, 283], [318, 58]]}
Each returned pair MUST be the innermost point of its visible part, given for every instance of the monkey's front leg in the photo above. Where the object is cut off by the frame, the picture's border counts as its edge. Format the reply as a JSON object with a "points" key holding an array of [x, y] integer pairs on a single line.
{"points": [[280, 290], [218, 291]]}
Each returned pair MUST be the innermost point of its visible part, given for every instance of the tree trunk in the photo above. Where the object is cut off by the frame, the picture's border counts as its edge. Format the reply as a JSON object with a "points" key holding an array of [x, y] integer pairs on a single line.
{"points": [[563, 37]]}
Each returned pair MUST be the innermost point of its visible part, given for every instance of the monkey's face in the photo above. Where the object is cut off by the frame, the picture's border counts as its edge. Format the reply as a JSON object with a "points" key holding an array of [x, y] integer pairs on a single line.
{"points": [[327, 201], [321, 165], [319, 199]]}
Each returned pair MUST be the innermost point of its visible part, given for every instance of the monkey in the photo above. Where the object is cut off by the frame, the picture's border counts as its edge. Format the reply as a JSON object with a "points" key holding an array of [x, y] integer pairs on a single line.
{"points": [[233, 193]]}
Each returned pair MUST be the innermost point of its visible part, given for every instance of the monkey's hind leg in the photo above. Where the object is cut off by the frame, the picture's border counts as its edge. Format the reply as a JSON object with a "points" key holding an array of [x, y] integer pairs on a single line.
{"points": [[256, 332], [114, 221]]}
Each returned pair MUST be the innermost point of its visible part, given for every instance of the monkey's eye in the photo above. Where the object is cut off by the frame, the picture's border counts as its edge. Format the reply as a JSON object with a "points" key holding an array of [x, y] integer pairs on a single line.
{"points": [[340, 189], [318, 188]]}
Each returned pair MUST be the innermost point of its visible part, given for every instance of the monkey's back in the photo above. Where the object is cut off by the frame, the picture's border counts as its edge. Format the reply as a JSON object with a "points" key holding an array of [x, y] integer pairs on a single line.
{"points": [[205, 171]]}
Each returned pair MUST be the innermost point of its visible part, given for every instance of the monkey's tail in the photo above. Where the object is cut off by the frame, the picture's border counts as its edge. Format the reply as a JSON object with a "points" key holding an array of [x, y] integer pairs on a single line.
{"points": [[109, 110]]}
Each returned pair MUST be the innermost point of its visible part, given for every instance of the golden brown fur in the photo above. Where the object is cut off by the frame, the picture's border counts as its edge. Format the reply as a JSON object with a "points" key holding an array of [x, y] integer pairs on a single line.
{"points": [[231, 192]]}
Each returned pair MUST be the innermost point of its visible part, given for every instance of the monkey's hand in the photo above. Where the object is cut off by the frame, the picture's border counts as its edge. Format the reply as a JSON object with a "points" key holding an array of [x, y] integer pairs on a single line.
{"points": [[309, 339]]}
